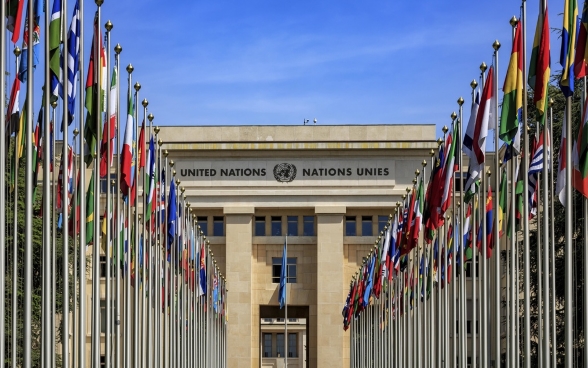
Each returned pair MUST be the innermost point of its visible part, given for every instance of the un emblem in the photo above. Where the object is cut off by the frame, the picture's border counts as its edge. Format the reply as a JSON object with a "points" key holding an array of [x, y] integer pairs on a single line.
{"points": [[284, 173]]}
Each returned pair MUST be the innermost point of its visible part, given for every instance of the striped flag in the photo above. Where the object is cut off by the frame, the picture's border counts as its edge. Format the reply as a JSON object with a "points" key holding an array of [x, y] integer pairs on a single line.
{"points": [[126, 156], [54, 50], [73, 63], [449, 170], [539, 68], [13, 112], [512, 103], [111, 124], [14, 21], [582, 45], [580, 157], [502, 201], [151, 178], [24, 59], [568, 47]]}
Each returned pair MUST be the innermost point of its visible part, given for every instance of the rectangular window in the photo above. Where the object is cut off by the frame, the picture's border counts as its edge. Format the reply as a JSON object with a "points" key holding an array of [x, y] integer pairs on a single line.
{"points": [[292, 225], [277, 270], [105, 183], [259, 226], [276, 226], [102, 361], [267, 345], [102, 266], [382, 221], [280, 344], [469, 268], [218, 225], [203, 223], [350, 226], [366, 226], [103, 316], [292, 347], [308, 228]]}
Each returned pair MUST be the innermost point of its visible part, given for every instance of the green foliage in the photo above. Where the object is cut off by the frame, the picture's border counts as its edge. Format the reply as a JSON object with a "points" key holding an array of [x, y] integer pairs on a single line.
{"points": [[578, 246], [37, 272]]}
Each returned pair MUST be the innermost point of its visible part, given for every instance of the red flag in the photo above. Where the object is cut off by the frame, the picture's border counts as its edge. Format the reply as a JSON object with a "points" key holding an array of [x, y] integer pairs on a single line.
{"points": [[141, 147], [15, 23]]}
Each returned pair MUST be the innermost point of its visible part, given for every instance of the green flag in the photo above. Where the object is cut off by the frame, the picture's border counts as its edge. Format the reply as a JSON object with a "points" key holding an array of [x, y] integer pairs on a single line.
{"points": [[90, 211]]}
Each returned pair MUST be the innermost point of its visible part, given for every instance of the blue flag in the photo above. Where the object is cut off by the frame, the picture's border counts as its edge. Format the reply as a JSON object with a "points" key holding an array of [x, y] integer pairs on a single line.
{"points": [[282, 294], [171, 215], [369, 282]]}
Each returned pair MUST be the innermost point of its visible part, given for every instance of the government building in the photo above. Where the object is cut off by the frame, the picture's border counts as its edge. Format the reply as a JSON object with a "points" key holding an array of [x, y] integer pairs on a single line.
{"points": [[328, 190]]}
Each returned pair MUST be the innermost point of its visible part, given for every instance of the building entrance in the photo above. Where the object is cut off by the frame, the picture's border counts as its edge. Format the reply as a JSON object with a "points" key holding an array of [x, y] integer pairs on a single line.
{"points": [[273, 340]]}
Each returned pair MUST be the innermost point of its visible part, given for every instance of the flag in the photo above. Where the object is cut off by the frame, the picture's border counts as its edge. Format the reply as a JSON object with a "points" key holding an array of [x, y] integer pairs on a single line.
{"points": [[94, 85], [561, 173], [370, 281], [283, 281], [568, 47], [73, 63], [202, 290], [489, 226], [215, 292], [126, 156], [108, 140], [54, 50], [449, 170], [539, 68], [13, 112], [432, 217], [90, 211], [24, 58], [418, 217], [21, 131], [536, 165], [502, 202], [141, 147], [512, 103], [171, 215], [151, 179], [14, 18], [582, 44], [580, 157]]}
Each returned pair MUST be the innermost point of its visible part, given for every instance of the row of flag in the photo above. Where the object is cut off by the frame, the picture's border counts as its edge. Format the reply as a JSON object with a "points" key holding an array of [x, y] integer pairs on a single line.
{"points": [[128, 207], [460, 216]]}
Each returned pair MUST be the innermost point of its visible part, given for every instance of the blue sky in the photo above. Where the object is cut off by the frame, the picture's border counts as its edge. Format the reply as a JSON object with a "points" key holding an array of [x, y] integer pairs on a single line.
{"points": [[341, 62]]}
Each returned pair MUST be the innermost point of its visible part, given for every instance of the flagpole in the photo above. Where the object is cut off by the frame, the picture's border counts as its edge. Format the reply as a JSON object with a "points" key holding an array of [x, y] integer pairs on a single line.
{"points": [[65, 204], [3, 206], [53, 244], [149, 252], [166, 287], [75, 320], [46, 305], [286, 311], [568, 252], [117, 238], [144, 284], [15, 250], [158, 222], [108, 280], [462, 315], [552, 249], [585, 254], [127, 263], [82, 344], [136, 303]]}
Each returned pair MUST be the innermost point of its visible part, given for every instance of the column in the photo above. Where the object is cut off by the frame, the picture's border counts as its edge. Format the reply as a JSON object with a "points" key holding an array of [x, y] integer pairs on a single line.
{"points": [[239, 230], [329, 336]]}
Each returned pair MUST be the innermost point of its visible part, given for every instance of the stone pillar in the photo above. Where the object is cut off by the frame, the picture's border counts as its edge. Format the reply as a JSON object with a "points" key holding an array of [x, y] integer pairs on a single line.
{"points": [[239, 238], [329, 337]]}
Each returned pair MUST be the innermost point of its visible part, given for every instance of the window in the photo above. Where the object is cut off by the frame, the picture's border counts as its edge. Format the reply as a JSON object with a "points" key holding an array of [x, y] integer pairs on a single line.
{"points": [[259, 226], [103, 266], [280, 344], [350, 228], [218, 225], [105, 183], [103, 316], [469, 268], [469, 327], [366, 226], [292, 347], [292, 225], [277, 270], [382, 221], [276, 226], [203, 223], [308, 225], [102, 361], [267, 345]]}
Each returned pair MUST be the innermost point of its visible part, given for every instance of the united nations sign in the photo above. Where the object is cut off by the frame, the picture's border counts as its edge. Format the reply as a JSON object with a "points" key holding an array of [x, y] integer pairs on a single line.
{"points": [[297, 172]]}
